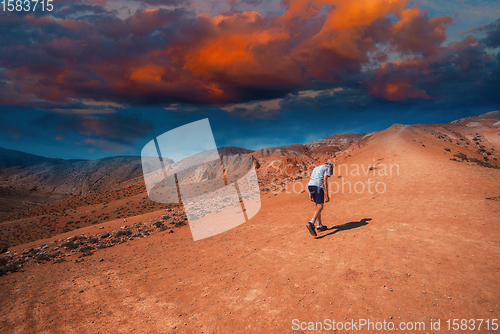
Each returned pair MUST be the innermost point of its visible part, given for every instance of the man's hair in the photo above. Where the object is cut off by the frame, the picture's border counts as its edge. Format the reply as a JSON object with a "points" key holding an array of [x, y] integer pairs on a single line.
{"points": [[329, 163]]}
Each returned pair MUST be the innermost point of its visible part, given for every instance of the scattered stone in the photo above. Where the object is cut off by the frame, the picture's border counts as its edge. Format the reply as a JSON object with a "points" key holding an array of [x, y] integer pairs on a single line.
{"points": [[82, 245]]}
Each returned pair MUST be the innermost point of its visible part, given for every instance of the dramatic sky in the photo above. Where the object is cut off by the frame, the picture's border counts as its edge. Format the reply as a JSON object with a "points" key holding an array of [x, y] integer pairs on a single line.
{"points": [[103, 77]]}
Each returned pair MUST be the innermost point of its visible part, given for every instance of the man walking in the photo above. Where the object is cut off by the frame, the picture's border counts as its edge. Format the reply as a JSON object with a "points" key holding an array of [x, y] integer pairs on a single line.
{"points": [[318, 193]]}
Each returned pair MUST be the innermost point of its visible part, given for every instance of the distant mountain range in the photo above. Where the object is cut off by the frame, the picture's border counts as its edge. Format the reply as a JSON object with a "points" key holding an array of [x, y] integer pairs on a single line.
{"points": [[27, 180], [12, 158]]}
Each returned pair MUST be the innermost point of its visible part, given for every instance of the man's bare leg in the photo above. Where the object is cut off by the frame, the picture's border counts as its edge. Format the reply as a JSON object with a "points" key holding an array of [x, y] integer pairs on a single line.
{"points": [[317, 213]]}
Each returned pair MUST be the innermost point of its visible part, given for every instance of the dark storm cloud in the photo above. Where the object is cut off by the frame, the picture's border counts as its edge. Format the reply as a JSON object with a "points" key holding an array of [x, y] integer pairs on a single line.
{"points": [[492, 39], [80, 58], [165, 56], [163, 2], [78, 10], [235, 3], [110, 131], [462, 72], [462, 77], [115, 127]]}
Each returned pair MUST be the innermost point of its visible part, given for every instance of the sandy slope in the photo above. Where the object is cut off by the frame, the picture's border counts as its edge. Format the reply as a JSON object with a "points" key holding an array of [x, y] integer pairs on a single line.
{"points": [[426, 248]]}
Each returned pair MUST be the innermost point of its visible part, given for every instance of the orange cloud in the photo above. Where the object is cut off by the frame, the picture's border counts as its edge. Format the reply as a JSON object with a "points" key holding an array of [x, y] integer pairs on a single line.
{"points": [[411, 63], [233, 51], [397, 90], [148, 72], [352, 14], [167, 56]]}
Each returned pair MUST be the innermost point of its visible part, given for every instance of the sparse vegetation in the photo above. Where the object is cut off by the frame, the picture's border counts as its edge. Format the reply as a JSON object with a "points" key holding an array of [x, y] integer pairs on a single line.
{"points": [[69, 245], [10, 267], [42, 258], [86, 249], [124, 232], [461, 156], [483, 163]]}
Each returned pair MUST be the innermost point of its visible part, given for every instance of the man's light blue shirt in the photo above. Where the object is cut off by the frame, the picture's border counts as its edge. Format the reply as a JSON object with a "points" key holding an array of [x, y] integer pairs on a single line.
{"points": [[317, 176]]}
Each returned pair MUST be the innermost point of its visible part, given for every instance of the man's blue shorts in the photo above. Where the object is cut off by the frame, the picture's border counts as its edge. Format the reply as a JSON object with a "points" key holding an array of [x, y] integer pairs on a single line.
{"points": [[318, 194]]}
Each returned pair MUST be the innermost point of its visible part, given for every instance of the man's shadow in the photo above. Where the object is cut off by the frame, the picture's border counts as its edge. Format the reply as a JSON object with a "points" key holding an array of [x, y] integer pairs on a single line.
{"points": [[345, 227]]}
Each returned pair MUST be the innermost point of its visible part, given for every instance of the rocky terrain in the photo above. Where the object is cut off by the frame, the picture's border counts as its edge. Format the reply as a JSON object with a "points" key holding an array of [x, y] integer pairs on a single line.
{"points": [[85, 244]]}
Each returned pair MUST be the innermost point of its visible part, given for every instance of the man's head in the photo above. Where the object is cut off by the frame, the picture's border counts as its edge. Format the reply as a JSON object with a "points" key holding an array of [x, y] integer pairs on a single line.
{"points": [[329, 164]]}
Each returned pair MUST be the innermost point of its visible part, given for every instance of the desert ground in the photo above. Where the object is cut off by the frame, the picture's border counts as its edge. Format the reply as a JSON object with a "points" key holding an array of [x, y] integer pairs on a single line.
{"points": [[414, 236]]}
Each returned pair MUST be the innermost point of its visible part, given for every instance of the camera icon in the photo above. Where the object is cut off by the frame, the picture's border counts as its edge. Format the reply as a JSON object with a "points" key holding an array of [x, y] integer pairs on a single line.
{"points": [[218, 192]]}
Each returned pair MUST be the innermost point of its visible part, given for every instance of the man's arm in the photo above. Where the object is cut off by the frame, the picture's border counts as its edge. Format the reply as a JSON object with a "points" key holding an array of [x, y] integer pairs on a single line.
{"points": [[325, 183]]}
